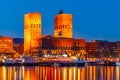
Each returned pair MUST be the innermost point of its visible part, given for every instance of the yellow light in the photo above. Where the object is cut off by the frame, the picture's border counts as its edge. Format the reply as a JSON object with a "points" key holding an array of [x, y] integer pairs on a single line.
{"points": [[3, 61]]}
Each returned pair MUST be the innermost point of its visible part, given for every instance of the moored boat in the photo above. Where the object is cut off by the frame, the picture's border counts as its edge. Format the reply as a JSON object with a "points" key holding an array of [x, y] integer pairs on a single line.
{"points": [[18, 61], [55, 64], [8, 62], [27, 60], [114, 63], [118, 63], [80, 62], [100, 62]]}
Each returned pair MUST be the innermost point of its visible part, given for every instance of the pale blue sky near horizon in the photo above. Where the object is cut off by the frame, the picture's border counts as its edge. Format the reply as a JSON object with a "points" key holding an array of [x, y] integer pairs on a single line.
{"points": [[92, 19]]}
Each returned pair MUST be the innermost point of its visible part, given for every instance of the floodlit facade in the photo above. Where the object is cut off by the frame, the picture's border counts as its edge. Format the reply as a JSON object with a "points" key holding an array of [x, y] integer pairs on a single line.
{"points": [[6, 44], [70, 46], [61, 42], [63, 25], [32, 32]]}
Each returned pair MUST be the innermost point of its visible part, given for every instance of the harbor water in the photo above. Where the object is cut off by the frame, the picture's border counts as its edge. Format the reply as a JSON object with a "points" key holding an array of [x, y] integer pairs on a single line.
{"points": [[59, 73]]}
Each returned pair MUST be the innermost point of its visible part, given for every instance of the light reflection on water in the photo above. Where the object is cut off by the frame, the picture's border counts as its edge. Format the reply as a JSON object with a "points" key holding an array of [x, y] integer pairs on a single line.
{"points": [[60, 73]]}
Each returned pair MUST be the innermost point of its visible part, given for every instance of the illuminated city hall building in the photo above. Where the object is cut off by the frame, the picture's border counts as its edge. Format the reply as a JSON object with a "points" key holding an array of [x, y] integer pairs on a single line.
{"points": [[6, 44], [63, 25], [32, 32], [61, 42]]}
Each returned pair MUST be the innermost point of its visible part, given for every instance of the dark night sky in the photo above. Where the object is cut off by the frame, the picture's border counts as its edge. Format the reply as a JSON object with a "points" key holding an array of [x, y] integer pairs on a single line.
{"points": [[92, 19]]}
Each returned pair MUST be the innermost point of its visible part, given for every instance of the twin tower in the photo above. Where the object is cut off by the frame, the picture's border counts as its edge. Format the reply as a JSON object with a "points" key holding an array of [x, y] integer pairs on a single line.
{"points": [[33, 29]]}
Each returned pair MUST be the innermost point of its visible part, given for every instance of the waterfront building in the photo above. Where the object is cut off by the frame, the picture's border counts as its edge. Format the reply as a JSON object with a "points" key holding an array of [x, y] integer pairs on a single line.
{"points": [[63, 25], [92, 47], [118, 47], [70, 46], [103, 47], [18, 48], [6, 44], [18, 44], [32, 32], [61, 42], [105, 43]]}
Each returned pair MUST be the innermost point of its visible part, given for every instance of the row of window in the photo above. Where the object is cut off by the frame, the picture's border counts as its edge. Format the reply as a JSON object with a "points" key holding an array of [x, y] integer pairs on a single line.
{"points": [[35, 25], [3, 50], [5, 40], [76, 43], [62, 27], [65, 48], [93, 46]]}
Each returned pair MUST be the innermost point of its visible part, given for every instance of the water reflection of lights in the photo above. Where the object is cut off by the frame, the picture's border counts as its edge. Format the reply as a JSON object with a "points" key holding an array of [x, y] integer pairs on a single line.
{"points": [[4, 72], [55, 73], [117, 73], [70, 74], [64, 73], [74, 73], [22, 73], [79, 74], [60, 73]]}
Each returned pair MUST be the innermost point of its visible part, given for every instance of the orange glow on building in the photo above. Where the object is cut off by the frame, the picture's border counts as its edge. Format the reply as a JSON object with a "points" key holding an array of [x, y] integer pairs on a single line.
{"points": [[70, 46], [63, 25], [6, 44], [32, 32], [62, 42]]}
